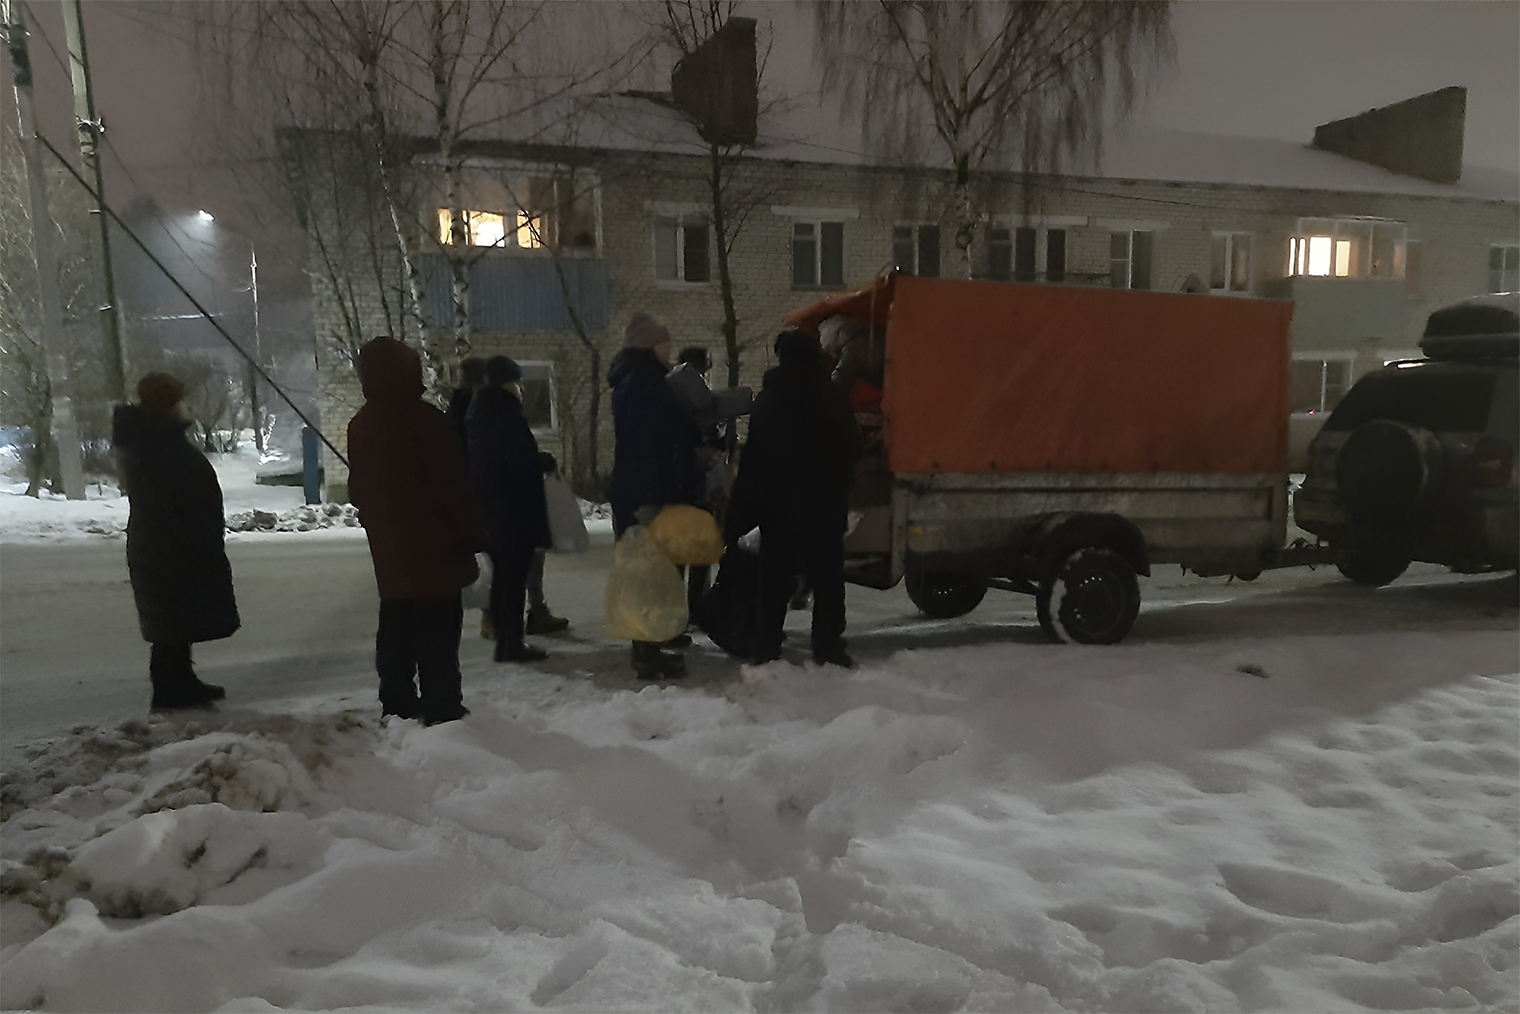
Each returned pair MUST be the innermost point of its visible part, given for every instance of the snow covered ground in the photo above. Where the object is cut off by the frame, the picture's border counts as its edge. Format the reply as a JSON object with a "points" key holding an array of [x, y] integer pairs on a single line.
{"points": [[1254, 813], [1305, 823]]}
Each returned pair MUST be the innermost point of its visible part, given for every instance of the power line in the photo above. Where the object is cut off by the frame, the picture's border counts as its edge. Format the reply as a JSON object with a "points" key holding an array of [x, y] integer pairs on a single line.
{"points": [[252, 362]]}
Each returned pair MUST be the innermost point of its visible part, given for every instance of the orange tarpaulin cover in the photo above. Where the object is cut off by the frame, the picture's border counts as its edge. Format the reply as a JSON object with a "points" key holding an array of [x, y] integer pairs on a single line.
{"points": [[991, 377], [868, 302]]}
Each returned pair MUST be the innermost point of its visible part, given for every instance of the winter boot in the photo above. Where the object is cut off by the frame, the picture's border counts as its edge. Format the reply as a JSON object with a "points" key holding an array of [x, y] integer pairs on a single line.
{"points": [[833, 654], [651, 662], [521, 651], [541, 621]]}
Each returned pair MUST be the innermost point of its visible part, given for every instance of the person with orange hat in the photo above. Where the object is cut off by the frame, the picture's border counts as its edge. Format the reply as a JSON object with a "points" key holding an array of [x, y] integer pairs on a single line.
{"points": [[176, 554]]}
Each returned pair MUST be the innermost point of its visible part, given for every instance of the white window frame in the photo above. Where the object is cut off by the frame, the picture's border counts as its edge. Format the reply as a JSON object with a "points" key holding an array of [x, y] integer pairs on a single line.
{"points": [[1128, 260], [1232, 241], [1508, 273], [678, 222], [547, 367], [917, 236], [1346, 247], [1324, 359], [1044, 225], [818, 281]]}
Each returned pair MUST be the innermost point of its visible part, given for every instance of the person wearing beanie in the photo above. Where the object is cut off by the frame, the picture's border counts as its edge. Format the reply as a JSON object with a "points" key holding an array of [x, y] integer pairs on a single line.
{"points": [[176, 553], [406, 474], [794, 483], [654, 455], [508, 479]]}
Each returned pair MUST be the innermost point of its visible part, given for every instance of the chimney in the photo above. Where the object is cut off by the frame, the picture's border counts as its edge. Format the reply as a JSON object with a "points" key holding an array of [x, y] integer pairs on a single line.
{"points": [[717, 87], [1419, 137]]}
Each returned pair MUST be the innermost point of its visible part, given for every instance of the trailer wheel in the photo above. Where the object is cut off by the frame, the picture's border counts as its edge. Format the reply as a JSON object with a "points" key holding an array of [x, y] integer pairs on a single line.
{"points": [[944, 594], [1372, 563], [1092, 598]]}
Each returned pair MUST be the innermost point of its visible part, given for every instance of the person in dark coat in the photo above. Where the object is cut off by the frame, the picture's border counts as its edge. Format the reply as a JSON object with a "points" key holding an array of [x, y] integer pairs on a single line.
{"points": [[655, 462], [176, 557], [509, 480], [472, 377], [407, 477], [794, 483]]}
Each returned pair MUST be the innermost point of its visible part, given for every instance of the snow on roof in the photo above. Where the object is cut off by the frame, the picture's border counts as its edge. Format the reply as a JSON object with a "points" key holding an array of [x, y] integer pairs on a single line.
{"points": [[639, 123]]}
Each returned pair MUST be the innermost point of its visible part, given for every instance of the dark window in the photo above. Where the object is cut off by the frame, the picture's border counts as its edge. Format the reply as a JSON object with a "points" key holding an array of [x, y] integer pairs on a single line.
{"points": [[538, 395], [1055, 255], [831, 258], [999, 255], [1318, 385], [804, 254], [1118, 260], [928, 251], [694, 242], [1444, 397], [1503, 268], [902, 249], [1140, 262], [1023, 255]]}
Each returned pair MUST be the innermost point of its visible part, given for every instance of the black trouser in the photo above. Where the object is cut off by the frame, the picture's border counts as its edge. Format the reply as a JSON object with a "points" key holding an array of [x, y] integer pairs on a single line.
{"points": [[698, 580], [169, 666], [819, 556], [417, 656], [509, 591]]}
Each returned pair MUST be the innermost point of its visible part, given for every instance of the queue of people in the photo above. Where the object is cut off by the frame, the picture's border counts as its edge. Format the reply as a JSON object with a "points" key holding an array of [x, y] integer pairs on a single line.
{"points": [[434, 489]]}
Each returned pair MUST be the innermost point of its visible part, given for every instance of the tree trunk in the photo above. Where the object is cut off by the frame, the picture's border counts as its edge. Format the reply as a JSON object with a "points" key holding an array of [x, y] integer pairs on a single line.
{"points": [[965, 220], [592, 440], [725, 279]]}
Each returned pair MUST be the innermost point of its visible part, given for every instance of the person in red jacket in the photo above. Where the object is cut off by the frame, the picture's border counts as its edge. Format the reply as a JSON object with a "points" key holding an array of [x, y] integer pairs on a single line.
{"points": [[407, 477]]}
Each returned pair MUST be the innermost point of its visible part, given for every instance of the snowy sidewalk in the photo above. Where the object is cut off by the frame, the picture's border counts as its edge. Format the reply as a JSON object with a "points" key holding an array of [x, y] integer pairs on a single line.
{"points": [[1001, 827]]}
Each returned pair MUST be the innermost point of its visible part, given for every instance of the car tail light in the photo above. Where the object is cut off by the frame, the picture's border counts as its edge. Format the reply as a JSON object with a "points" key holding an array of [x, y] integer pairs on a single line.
{"points": [[1493, 463]]}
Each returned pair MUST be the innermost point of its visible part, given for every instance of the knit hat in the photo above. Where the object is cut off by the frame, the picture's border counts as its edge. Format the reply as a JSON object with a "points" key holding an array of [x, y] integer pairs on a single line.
{"points": [[644, 332], [160, 392], [502, 370], [796, 347]]}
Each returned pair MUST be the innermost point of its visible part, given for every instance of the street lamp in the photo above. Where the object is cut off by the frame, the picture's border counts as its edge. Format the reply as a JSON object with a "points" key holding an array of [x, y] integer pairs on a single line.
{"points": [[205, 217]]}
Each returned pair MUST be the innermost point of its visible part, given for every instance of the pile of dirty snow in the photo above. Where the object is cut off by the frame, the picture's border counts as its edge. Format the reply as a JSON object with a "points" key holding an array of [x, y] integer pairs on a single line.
{"points": [[1288, 823]]}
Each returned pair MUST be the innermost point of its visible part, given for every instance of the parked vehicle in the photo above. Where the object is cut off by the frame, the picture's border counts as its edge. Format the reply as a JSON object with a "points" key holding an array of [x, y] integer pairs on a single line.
{"points": [[1417, 462], [1060, 441]]}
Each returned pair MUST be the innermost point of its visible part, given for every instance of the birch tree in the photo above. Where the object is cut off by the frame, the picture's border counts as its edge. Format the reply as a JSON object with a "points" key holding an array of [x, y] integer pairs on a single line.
{"points": [[988, 84]]}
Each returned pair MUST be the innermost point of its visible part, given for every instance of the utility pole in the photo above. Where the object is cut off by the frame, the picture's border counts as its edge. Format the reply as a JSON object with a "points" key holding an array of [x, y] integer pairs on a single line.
{"points": [[64, 429], [253, 375], [90, 128]]}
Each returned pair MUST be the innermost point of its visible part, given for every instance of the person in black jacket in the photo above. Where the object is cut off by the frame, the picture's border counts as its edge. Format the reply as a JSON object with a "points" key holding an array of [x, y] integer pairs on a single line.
{"points": [[794, 483], [655, 462], [509, 480], [176, 557]]}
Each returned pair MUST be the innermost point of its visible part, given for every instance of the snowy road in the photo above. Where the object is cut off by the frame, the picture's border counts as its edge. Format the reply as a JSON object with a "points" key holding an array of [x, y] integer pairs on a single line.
{"points": [[72, 652]]}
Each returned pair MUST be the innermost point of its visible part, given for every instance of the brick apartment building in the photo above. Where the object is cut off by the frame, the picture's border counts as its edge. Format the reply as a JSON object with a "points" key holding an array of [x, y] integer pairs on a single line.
{"points": [[1367, 230]]}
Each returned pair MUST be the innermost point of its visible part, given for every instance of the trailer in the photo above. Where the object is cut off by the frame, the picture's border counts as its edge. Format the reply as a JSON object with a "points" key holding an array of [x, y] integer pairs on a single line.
{"points": [[1059, 441]]}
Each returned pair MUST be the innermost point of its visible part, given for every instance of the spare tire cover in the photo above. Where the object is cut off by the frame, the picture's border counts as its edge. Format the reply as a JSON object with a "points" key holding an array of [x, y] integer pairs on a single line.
{"points": [[1385, 471]]}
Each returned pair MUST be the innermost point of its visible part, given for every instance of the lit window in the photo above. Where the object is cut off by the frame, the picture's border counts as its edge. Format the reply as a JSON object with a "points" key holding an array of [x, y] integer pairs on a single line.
{"points": [[1503, 268], [1230, 262], [547, 212], [817, 253], [1348, 248]]}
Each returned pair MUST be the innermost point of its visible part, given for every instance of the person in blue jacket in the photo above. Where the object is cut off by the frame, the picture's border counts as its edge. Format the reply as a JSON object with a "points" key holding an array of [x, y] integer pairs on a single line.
{"points": [[655, 458], [509, 482]]}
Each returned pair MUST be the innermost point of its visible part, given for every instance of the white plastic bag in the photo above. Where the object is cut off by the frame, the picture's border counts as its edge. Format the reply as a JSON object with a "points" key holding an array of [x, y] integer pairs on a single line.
{"points": [[567, 528], [478, 595], [646, 598]]}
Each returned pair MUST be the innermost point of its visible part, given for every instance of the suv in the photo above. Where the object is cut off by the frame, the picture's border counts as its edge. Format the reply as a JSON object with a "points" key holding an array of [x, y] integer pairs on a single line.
{"points": [[1417, 462]]}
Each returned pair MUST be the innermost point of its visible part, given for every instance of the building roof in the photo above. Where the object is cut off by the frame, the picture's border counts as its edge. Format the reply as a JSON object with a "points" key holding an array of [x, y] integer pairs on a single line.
{"points": [[642, 122]]}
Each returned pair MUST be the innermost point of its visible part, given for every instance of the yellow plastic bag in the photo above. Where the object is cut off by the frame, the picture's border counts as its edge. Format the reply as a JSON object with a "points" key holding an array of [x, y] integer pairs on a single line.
{"points": [[646, 598], [688, 536]]}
